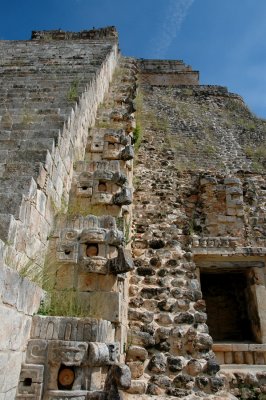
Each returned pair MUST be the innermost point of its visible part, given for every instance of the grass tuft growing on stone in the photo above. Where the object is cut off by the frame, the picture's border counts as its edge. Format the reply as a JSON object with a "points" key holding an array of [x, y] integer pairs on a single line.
{"points": [[72, 94]]}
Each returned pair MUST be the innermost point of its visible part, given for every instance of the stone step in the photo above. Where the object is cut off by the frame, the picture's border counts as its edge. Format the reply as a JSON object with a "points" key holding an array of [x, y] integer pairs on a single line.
{"points": [[27, 134], [5, 221], [10, 203], [26, 155], [14, 169], [20, 185]]}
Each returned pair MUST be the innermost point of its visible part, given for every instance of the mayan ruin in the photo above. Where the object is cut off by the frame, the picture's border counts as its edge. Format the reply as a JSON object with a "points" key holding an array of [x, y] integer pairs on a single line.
{"points": [[132, 227]]}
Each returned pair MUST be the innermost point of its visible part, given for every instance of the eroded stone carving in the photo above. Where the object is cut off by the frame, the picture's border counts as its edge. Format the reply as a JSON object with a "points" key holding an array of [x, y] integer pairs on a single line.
{"points": [[103, 183], [73, 369], [36, 351], [97, 245], [115, 145], [31, 382], [67, 352]]}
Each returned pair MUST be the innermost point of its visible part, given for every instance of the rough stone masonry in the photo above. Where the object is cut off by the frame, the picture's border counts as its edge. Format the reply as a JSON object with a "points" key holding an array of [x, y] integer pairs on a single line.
{"points": [[132, 227]]}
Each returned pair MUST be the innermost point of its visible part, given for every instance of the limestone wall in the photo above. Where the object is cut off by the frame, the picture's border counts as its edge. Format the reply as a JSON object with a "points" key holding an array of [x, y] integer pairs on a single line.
{"points": [[50, 94], [167, 73], [88, 260], [198, 221], [20, 299], [194, 136]]}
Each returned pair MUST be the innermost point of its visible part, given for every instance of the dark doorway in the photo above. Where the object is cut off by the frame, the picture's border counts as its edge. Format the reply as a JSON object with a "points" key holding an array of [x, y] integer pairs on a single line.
{"points": [[226, 297]]}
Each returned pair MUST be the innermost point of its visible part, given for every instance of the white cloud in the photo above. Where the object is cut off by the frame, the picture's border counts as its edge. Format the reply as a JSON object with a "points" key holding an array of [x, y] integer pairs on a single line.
{"points": [[175, 15]]}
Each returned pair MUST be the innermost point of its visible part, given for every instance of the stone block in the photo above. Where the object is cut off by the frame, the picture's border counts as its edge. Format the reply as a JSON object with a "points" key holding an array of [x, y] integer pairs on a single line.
{"points": [[41, 202], [259, 358], [238, 357], [36, 351], [29, 391], [29, 296], [222, 347], [257, 347], [220, 357], [10, 281], [106, 305], [8, 227], [11, 394], [136, 369], [107, 283], [96, 378], [98, 354], [21, 326], [67, 252], [137, 353], [94, 282], [11, 371], [232, 181], [97, 264], [31, 372], [122, 263], [65, 277], [137, 387], [249, 357], [15, 329], [228, 357], [4, 357], [240, 347], [140, 338], [121, 375]]}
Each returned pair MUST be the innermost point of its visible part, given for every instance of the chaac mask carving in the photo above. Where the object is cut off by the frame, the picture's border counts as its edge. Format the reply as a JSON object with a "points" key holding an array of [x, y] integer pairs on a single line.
{"points": [[103, 183], [113, 144], [96, 244], [69, 368]]}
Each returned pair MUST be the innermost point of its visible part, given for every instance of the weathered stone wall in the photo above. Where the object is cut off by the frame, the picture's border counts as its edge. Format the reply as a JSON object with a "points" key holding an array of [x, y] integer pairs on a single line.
{"points": [[201, 153], [87, 263], [49, 97], [167, 73], [199, 215], [20, 299], [41, 164]]}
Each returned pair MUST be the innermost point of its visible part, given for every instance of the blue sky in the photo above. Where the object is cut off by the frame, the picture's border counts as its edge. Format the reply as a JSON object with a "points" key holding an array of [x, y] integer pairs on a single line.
{"points": [[224, 39]]}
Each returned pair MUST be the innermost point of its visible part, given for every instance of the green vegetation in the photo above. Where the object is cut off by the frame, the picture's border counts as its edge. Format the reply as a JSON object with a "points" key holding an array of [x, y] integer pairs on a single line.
{"points": [[137, 137], [28, 117], [258, 155], [57, 302], [62, 303], [72, 94], [127, 231]]}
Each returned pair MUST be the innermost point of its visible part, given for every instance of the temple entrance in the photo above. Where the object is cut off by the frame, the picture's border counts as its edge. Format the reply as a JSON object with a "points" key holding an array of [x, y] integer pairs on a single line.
{"points": [[231, 309]]}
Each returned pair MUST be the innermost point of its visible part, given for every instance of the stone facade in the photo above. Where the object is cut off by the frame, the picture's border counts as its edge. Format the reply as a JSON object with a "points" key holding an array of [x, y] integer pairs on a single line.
{"points": [[148, 283], [49, 98]]}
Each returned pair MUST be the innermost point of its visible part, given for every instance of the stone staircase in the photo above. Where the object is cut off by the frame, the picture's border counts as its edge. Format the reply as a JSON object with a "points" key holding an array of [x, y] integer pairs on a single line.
{"points": [[49, 99], [89, 257]]}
